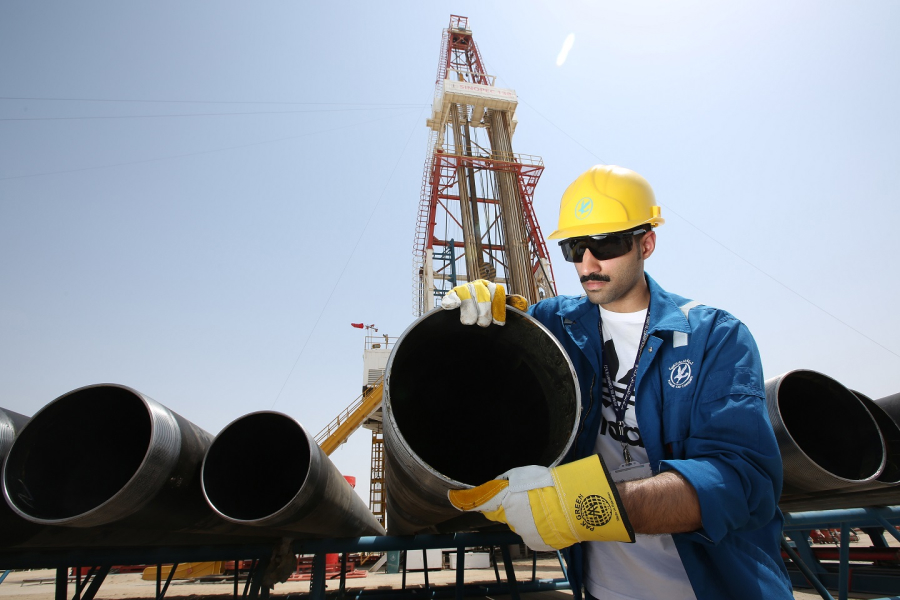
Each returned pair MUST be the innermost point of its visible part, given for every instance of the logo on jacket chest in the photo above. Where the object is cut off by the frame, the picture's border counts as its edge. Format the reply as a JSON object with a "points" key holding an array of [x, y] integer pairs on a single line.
{"points": [[680, 374]]}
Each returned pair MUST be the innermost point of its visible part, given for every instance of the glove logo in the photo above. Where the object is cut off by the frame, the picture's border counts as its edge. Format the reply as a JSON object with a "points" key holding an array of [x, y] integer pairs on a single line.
{"points": [[680, 374], [593, 511], [584, 208]]}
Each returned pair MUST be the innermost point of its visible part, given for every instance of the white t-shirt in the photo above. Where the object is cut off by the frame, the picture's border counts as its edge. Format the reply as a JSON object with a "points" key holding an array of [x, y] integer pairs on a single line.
{"points": [[650, 568]]}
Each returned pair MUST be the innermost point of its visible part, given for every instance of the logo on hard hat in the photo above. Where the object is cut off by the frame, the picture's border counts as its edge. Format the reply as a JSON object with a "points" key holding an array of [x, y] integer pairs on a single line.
{"points": [[680, 374], [584, 208]]}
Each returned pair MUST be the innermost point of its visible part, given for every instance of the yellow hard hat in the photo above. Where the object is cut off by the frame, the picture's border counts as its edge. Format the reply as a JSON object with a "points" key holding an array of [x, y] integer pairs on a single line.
{"points": [[604, 199]]}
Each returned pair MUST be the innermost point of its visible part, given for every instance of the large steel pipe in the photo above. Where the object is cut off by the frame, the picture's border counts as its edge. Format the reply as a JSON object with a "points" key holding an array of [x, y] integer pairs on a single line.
{"points": [[265, 470], [105, 454], [890, 435], [14, 528], [883, 491], [464, 404], [11, 423], [891, 406], [827, 437]]}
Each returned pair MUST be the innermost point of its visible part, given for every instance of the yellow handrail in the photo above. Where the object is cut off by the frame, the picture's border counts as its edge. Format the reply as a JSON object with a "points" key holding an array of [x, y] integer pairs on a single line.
{"points": [[351, 418]]}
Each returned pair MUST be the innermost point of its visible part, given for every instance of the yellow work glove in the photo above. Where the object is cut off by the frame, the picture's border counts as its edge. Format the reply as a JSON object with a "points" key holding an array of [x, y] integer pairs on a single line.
{"points": [[482, 302], [553, 508]]}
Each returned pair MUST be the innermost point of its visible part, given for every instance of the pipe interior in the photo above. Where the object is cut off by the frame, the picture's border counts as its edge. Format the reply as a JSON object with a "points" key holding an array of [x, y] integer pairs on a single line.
{"points": [[474, 402], [830, 425], [78, 452], [256, 466]]}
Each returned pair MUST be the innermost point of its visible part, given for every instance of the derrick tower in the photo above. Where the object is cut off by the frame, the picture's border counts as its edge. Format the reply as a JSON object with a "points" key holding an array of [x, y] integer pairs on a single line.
{"points": [[476, 219]]}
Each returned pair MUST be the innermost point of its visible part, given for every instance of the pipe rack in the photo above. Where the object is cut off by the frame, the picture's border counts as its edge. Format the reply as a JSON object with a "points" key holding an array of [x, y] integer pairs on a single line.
{"points": [[812, 571], [87, 588]]}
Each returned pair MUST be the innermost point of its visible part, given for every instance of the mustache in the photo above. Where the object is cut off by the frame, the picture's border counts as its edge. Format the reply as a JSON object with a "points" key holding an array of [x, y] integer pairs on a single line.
{"points": [[594, 277]]}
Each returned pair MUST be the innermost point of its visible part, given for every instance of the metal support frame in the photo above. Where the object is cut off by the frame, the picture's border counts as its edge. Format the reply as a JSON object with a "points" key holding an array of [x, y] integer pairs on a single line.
{"points": [[844, 577], [161, 590], [510, 572], [87, 587], [317, 578]]}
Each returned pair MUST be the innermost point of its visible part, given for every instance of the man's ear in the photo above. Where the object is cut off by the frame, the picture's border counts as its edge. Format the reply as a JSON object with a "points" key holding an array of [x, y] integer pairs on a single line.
{"points": [[648, 244]]}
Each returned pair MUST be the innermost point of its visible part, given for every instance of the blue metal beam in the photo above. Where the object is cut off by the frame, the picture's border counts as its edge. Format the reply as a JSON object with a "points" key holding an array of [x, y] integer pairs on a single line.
{"points": [[860, 517]]}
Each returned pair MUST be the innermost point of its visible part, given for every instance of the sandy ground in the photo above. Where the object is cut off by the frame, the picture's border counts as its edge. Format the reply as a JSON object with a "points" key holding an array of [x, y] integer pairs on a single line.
{"points": [[39, 584]]}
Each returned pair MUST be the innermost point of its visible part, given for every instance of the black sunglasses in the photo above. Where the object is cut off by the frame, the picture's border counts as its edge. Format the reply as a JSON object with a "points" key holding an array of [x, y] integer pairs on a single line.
{"points": [[603, 247]]}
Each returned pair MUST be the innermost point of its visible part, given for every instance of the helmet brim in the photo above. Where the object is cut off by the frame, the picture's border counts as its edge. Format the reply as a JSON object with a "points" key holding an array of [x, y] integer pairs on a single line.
{"points": [[598, 229]]}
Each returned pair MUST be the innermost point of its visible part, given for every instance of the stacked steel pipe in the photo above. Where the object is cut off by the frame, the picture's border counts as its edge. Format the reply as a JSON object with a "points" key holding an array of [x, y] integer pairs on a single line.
{"points": [[519, 405], [14, 528], [106, 466], [840, 449]]}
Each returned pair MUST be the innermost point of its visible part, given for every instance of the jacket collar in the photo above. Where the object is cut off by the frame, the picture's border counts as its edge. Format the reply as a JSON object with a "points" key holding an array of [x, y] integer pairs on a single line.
{"points": [[665, 314]]}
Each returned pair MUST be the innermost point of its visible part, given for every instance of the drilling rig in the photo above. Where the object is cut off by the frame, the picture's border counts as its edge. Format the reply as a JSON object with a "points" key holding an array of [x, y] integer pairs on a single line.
{"points": [[476, 219]]}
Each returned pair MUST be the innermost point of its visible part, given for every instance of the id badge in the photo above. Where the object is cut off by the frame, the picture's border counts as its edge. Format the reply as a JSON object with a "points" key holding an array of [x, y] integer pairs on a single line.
{"points": [[631, 470]]}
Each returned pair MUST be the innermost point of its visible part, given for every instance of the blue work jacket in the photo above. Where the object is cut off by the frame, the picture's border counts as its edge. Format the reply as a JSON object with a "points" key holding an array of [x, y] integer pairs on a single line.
{"points": [[701, 410]]}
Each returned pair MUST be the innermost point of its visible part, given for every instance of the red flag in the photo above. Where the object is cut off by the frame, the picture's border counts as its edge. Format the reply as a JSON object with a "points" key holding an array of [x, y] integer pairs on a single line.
{"points": [[358, 325]]}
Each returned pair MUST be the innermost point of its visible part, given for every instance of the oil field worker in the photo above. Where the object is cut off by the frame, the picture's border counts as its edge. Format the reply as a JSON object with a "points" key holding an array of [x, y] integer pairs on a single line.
{"points": [[675, 451]]}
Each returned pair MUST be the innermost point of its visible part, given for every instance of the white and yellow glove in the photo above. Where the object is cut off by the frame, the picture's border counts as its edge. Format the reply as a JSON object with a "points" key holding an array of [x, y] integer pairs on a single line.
{"points": [[482, 302], [553, 508]]}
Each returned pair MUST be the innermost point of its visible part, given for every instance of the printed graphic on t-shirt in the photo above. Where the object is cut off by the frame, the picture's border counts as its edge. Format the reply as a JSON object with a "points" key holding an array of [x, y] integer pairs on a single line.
{"points": [[627, 434]]}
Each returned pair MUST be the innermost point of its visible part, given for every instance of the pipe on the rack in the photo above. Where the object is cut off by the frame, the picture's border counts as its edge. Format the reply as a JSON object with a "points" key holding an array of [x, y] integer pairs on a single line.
{"points": [[14, 528], [106, 466], [891, 406], [827, 437], [890, 435], [884, 491], [104, 454], [464, 404], [285, 482]]}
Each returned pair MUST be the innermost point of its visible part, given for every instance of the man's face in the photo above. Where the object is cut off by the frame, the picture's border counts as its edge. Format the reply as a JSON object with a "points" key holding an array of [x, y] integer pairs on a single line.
{"points": [[617, 284]]}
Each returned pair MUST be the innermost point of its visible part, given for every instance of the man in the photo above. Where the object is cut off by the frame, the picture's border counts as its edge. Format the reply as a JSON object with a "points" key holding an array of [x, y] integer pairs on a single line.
{"points": [[674, 406]]}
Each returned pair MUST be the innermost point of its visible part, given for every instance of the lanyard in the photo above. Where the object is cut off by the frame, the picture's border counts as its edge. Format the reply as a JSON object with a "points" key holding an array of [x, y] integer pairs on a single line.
{"points": [[620, 407]]}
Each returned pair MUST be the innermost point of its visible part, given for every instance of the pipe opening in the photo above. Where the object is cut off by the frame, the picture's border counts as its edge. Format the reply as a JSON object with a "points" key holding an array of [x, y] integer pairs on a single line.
{"points": [[830, 425], [474, 402], [78, 452], [256, 466]]}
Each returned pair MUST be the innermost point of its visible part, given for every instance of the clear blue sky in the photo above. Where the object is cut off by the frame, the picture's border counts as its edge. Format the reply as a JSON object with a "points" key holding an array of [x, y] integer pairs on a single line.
{"points": [[199, 258]]}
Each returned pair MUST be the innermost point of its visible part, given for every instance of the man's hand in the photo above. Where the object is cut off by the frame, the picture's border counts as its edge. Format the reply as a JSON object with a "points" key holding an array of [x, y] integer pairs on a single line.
{"points": [[552, 508], [482, 302]]}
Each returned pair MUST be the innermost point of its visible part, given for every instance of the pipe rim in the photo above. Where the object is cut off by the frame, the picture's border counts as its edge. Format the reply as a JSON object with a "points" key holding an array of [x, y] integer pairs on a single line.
{"points": [[131, 497], [395, 429], [303, 490]]}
